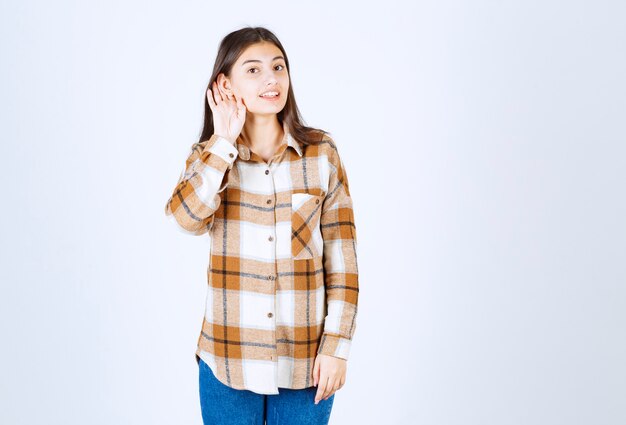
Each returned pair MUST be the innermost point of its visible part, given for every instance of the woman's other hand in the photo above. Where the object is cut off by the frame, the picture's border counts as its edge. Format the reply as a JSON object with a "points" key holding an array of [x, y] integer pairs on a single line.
{"points": [[330, 373]]}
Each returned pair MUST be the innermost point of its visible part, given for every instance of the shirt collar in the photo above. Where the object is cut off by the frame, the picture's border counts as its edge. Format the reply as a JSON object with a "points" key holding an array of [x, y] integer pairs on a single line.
{"points": [[244, 151]]}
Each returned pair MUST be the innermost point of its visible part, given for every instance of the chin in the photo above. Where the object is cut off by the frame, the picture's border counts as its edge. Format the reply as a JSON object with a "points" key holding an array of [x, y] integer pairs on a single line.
{"points": [[268, 109]]}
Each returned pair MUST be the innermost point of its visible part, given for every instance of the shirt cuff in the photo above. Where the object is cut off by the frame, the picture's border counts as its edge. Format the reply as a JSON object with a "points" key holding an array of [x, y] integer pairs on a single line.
{"points": [[225, 150], [334, 345]]}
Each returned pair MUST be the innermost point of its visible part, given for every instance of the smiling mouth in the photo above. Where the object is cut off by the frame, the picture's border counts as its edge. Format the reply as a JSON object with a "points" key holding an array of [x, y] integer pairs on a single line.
{"points": [[270, 95]]}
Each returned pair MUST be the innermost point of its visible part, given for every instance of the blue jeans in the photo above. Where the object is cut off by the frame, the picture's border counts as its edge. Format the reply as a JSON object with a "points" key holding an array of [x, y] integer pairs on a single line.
{"points": [[223, 405]]}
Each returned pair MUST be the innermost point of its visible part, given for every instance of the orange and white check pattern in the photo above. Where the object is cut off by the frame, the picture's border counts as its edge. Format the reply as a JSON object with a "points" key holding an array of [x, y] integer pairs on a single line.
{"points": [[282, 274]]}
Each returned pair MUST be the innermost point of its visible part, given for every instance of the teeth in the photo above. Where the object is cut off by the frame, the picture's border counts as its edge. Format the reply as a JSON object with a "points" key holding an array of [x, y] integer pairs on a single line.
{"points": [[270, 94]]}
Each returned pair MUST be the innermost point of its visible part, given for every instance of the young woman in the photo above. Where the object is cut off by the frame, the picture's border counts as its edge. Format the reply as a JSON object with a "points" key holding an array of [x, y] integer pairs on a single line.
{"points": [[283, 288]]}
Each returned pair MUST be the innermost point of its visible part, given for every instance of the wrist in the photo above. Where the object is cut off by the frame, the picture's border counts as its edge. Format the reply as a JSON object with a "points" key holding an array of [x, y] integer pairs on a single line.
{"points": [[222, 135]]}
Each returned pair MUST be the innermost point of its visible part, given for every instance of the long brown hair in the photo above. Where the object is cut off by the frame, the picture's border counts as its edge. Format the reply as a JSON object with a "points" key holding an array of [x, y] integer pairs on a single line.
{"points": [[230, 48]]}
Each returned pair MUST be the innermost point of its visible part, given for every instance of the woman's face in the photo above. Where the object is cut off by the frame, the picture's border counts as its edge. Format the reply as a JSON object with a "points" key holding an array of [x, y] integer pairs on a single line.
{"points": [[261, 68]]}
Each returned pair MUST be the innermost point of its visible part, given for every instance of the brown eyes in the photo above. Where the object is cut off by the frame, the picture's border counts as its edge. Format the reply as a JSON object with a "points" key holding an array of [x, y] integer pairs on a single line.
{"points": [[258, 68]]}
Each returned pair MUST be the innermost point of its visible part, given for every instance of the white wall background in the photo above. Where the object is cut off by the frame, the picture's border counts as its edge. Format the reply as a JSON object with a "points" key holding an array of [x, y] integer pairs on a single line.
{"points": [[486, 149]]}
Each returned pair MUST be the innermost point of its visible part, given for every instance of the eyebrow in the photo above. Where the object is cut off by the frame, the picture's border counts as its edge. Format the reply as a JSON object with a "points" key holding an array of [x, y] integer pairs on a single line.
{"points": [[256, 60]]}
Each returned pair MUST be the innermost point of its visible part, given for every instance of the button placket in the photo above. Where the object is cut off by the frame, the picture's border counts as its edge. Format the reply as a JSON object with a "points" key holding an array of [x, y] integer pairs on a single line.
{"points": [[271, 238]]}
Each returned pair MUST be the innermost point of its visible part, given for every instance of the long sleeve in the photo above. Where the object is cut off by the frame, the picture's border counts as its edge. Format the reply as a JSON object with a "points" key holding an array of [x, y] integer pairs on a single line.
{"points": [[196, 195], [340, 263]]}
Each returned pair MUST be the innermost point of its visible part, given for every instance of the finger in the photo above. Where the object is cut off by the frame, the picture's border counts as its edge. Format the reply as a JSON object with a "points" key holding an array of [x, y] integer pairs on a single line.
{"points": [[209, 97], [243, 104], [241, 109], [316, 372], [321, 388], [324, 393], [228, 95], [240, 104], [334, 390], [223, 93], [218, 93], [329, 388]]}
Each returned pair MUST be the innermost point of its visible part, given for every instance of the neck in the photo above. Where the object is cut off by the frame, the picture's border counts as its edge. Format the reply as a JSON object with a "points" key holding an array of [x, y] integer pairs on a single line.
{"points": [[261, 133]]}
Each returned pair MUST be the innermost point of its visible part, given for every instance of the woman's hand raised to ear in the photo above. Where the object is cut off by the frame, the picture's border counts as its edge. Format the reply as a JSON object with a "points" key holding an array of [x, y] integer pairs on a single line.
{"points": [[229, 113]]}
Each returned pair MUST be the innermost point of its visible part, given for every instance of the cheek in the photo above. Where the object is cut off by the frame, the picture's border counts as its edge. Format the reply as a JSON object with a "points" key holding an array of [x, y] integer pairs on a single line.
{"points": [[247, 95]]}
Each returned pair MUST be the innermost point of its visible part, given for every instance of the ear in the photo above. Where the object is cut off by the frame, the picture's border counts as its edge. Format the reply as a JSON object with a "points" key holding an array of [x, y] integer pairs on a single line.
{"points": [[224, 84]]}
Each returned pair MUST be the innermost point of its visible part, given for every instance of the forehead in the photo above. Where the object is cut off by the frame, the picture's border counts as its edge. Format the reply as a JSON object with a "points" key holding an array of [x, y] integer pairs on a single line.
{"points": [[265, 52]]}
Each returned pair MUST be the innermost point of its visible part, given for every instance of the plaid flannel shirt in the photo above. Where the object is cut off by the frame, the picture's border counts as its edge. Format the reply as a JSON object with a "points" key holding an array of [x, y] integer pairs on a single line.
{"points": [[282, 273]]}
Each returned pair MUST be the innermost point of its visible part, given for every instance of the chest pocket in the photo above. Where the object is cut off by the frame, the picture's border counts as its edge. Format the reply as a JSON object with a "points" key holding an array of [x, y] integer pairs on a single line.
{"points": [[306, 210]]}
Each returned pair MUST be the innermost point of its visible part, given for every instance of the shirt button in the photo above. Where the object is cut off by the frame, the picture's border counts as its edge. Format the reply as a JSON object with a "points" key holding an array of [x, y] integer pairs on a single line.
{"points": [[267, 171], [271, 238], [269, 201], [269, 314], [317, 201], [271, 277], [231, 154]]}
